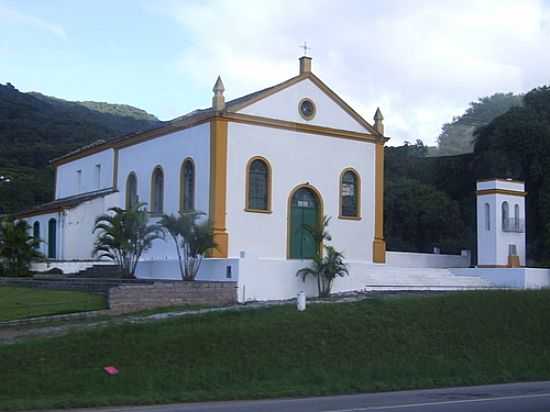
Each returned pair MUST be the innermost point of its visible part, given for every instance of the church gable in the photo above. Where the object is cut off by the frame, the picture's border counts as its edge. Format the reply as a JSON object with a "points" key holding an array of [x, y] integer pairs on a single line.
{"points": [[305, 99]]}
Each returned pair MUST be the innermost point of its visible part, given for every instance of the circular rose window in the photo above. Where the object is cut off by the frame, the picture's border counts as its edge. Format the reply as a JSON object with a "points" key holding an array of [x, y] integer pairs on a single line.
{"points": [[307, 109]]}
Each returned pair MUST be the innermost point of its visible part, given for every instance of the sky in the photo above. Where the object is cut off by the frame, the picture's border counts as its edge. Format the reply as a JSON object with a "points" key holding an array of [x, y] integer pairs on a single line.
{"points": [[421, 62]]}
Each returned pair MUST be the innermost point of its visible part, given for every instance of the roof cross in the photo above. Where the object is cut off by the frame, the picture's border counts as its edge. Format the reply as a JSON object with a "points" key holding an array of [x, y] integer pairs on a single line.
{"points": [[305, 47]]}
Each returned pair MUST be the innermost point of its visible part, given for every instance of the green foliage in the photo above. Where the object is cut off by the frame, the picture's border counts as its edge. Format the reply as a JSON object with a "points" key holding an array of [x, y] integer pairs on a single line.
{"points": [[457, 137], [20, 303], [324, 267], [419, 217], [193, 238], [517, 145], [379, 344], [17, 248], [124, 235], [35, 129]]}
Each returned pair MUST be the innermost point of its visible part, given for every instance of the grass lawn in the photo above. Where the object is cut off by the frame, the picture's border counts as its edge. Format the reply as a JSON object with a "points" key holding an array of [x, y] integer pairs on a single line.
{"points": [[19, 303], [380, 344]]}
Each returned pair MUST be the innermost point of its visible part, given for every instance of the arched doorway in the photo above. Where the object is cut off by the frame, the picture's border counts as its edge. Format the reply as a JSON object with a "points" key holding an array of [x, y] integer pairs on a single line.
{"points": [[52, 238], [305, 209]]}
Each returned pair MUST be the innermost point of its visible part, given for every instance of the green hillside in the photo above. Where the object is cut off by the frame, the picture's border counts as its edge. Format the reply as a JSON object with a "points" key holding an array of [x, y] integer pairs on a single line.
{"points": [[35, 129]]}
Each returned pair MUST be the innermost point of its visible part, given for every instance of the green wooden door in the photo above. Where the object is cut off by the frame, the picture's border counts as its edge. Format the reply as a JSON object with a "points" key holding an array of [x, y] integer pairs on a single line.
{"points": [[52, 239], [304, 211]]}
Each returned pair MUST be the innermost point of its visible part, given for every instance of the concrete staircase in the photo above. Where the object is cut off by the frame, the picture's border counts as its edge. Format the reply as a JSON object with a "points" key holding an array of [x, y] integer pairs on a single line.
{"points": [[383, 277]]}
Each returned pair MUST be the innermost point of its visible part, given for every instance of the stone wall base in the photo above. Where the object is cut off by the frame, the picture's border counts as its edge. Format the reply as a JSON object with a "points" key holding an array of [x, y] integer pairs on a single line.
{"points": [[131, 298]]}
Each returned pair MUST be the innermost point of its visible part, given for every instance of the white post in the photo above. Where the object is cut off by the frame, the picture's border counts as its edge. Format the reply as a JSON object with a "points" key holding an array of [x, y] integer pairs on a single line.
{"points": [[301, 301]]}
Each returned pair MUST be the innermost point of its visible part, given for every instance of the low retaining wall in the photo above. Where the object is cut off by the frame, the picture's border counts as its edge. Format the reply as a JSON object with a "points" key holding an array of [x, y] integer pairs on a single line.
{"points": [[426, 260], [100, 286], [129, 298]]}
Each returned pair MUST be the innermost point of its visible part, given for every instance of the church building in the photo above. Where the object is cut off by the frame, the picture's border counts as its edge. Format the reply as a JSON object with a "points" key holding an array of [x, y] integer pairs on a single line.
{"points": [[260, 166]]}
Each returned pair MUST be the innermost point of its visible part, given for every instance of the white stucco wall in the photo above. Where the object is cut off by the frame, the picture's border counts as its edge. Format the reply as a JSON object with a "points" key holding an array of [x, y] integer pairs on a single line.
{"points": [[211, 269], [493, 244], [169, 152], [426, 260], [284, 106], [78, 224], [297, 158], [67, 174]]}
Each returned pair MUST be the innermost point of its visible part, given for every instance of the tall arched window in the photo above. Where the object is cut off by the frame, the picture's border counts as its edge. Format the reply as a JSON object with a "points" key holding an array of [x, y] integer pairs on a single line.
{"points": [[258, 187], [157, 191], [487, 216], [131, 191], [36, 232], [505, 215], [52, 238], [349, 194], [516, 213], [187, 185]]}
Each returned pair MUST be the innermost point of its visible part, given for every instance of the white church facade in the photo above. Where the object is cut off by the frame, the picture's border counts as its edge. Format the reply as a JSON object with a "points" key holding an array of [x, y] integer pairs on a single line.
{"points": [[259, 166]]}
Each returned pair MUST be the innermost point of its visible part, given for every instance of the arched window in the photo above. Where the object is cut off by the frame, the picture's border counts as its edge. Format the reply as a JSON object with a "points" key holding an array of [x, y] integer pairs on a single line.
{"points": [[516, 213], [505, 215], [258, 187], [36, 232], [349, 194], [157, 191], [487, 216], [187, 185], [52, 238], [131, 191]]}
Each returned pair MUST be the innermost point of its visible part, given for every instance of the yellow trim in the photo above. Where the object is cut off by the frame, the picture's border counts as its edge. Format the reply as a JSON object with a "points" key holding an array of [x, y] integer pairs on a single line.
{"points": [[500, 192], [247, 185], [182, 183], [127, 197], [289, 211], [357, 194], [307, 118], [379, 245], [151, 204], [218, 186], [302, 127]]}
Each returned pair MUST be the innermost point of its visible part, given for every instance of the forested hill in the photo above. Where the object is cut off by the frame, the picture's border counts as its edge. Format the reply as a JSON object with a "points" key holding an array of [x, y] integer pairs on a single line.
{"points": [[35, 128]]}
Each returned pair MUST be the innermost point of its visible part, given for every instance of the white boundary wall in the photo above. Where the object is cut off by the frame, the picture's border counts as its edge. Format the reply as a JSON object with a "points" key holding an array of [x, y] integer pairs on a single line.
{"points": [[211, 269], [523, 278], [426, 260]]}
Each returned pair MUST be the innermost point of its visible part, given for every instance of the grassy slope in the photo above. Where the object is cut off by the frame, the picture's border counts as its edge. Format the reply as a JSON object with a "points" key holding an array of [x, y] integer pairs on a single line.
{"points": [[470, 338], [18, 303]]}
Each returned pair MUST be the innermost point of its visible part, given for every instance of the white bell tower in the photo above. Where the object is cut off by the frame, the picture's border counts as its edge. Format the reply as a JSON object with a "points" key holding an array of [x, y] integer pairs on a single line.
{"points": [[500, 223]]}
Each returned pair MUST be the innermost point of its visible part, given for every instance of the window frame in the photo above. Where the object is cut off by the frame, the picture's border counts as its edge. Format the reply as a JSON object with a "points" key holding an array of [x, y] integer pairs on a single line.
{"points": [[127, 197], [154, 211], [183, 186], [268, 186], [358, 215]]}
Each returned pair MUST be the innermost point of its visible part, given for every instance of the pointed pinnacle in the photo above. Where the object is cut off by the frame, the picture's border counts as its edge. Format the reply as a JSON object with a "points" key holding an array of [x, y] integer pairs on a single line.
{"points": [[378, 115], [219, 87]]}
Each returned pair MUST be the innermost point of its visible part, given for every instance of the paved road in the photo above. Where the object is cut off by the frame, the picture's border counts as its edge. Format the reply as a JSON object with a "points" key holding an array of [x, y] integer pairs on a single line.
{"points": [[516, 397]]}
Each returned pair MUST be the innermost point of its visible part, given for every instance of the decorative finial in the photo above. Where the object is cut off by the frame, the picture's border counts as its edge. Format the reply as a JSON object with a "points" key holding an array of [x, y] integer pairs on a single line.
{"points": [[305, 47], [379, 121], [218, 101]]}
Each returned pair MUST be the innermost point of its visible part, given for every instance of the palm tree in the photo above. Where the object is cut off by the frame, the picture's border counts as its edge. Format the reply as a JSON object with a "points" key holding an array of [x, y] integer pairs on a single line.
{"points": [[17, 247], [319, 232], [193, 239], [124, 234], [333, 266]]}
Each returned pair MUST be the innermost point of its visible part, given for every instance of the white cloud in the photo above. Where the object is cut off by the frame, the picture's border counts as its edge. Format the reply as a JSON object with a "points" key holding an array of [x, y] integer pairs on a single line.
{"points": [[422, 62], [10, 15]]}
